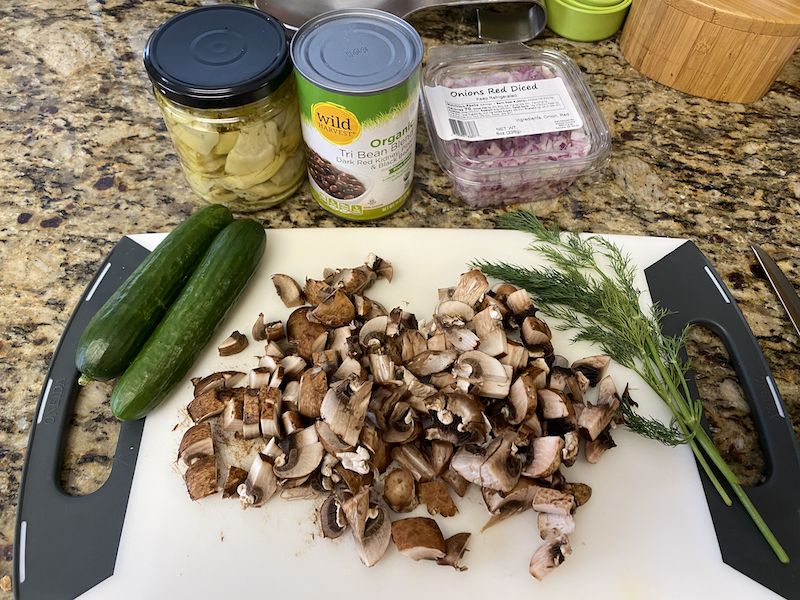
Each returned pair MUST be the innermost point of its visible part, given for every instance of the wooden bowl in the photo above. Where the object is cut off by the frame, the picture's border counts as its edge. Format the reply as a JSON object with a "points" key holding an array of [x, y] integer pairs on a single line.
{"points": [[728, 50]]}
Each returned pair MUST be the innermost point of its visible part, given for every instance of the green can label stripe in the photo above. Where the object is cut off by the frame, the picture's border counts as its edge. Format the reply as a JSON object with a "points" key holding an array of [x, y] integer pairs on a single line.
{"points": [[371, 109]]}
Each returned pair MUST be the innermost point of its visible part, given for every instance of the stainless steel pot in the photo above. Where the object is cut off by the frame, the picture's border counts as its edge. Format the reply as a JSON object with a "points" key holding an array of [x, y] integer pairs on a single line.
{"points": [[523, 20]]}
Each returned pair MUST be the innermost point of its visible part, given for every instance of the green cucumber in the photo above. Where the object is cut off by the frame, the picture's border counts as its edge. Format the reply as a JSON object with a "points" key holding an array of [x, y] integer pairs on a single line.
{"points": [[117, 332], [211, 292]]}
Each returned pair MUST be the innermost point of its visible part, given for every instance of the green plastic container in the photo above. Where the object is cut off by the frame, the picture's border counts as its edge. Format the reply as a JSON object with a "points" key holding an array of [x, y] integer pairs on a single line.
{"points": [[588, 24]]}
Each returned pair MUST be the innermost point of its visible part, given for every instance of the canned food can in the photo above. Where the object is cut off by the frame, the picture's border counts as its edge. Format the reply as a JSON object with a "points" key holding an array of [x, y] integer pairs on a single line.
{"points": [[357, 74]]}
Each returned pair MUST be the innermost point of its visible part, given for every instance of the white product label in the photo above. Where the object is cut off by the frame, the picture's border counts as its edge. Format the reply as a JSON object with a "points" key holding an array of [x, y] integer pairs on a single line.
{"points": [[502, 110]]}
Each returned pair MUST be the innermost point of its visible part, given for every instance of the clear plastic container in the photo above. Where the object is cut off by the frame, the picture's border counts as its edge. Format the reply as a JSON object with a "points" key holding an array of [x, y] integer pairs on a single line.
{"points": [[511, 124], [222, 77]]}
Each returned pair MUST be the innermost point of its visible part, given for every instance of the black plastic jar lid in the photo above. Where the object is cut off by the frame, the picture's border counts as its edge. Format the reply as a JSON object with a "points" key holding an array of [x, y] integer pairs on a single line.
{"points": [[218, 56]]}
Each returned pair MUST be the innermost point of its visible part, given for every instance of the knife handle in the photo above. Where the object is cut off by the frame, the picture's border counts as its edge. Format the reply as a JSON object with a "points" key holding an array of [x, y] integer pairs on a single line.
{"points": [[686, 284], [66, 544]]}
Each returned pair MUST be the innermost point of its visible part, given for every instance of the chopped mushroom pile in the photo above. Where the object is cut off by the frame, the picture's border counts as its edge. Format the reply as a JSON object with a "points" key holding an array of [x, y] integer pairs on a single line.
{"points": [[374, 413]]}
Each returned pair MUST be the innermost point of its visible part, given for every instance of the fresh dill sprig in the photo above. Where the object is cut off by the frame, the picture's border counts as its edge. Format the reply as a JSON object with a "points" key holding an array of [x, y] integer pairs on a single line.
{"points": [[589, 287]]}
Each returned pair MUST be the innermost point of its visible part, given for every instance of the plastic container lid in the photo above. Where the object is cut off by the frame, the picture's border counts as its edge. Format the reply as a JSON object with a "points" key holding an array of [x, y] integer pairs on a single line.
{"points": [[356, 51], [218, 56], [509, 123]]}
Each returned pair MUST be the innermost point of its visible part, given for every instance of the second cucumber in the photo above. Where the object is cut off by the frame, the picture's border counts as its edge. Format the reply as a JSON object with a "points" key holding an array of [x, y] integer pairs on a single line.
{"points": [[211, 292]]}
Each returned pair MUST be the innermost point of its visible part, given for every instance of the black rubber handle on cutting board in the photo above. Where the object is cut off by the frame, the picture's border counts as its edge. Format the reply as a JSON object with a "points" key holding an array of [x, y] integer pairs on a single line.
{"points": [[685, 283], [65, 545]]}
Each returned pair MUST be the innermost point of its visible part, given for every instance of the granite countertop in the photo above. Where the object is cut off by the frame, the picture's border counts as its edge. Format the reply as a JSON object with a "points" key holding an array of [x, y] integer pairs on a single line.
{"points": [[86, 159]]}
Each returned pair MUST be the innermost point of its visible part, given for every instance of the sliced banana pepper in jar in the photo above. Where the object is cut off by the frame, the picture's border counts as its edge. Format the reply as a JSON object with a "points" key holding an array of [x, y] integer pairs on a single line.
{"points": [[248, 158]]}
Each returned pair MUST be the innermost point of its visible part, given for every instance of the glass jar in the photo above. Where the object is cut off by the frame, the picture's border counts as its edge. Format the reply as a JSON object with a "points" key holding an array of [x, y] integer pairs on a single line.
{"points": [[221, 77]]}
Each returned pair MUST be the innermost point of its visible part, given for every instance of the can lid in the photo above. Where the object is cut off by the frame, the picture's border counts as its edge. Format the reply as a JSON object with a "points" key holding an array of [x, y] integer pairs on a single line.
{"points": [[218, 56], [356, 51]]}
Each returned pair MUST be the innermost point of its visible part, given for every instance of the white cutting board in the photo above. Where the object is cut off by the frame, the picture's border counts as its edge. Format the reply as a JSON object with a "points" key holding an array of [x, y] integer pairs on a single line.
{"points": [[645, 534]]}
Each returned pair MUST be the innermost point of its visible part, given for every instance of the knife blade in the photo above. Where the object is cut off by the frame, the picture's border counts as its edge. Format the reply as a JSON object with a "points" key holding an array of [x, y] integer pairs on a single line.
{"points": [[782, 286], [686, 285]]}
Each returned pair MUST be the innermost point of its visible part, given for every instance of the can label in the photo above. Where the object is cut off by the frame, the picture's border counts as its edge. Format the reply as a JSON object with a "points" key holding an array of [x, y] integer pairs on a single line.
{"points": [[360, 147]]}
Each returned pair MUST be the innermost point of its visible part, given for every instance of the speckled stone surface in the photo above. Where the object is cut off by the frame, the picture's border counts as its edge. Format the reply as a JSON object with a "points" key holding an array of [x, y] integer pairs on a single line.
{"points": [[84, 159]]}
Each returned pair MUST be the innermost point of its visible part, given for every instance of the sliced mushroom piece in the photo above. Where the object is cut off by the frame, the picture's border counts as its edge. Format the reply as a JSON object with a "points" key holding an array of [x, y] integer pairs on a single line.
{"points": [[201, 478], [334, 311], [223, 379], [559, 378], [580, 491], [412, 458], [349, 369], [288, 290], [403, 425], [521, 496], [292, 421], [233, 344], [455, 481], [261, 375], [382, 369], [344, 408], [400, 490], [352, 281], [332, 443], [546, 457], [520, 304], [592, 367], [439, 455], [298, 325], [485, 375], [489, 329], [471, 287], [380, 451], [455, 547], [205, 406], [315, 291], [516, 356], [233, 413], [549, 556], [332, 518], [381, 267], [431, 361], [235, 477], [594, 449], [419, 538], [251, 415], [572, 445], [196, 443], [313, 387], [594, 419], [436, 498], [357, 460], [522, 399], [293, 366], [299, 462], [438, 341], [311, 342], [410, 342], [260, 484], [370, 526], [555, 404], [271, 405], [259, 331], [355, 482], [503, 465], [300, 438], [337, 341], [551, 525], [467, 462], [554, 501], [373, 332]]}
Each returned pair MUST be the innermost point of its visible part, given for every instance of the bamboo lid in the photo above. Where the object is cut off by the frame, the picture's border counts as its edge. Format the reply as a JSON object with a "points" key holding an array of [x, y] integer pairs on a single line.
{"points": [[728, 50], [765, 17]]}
